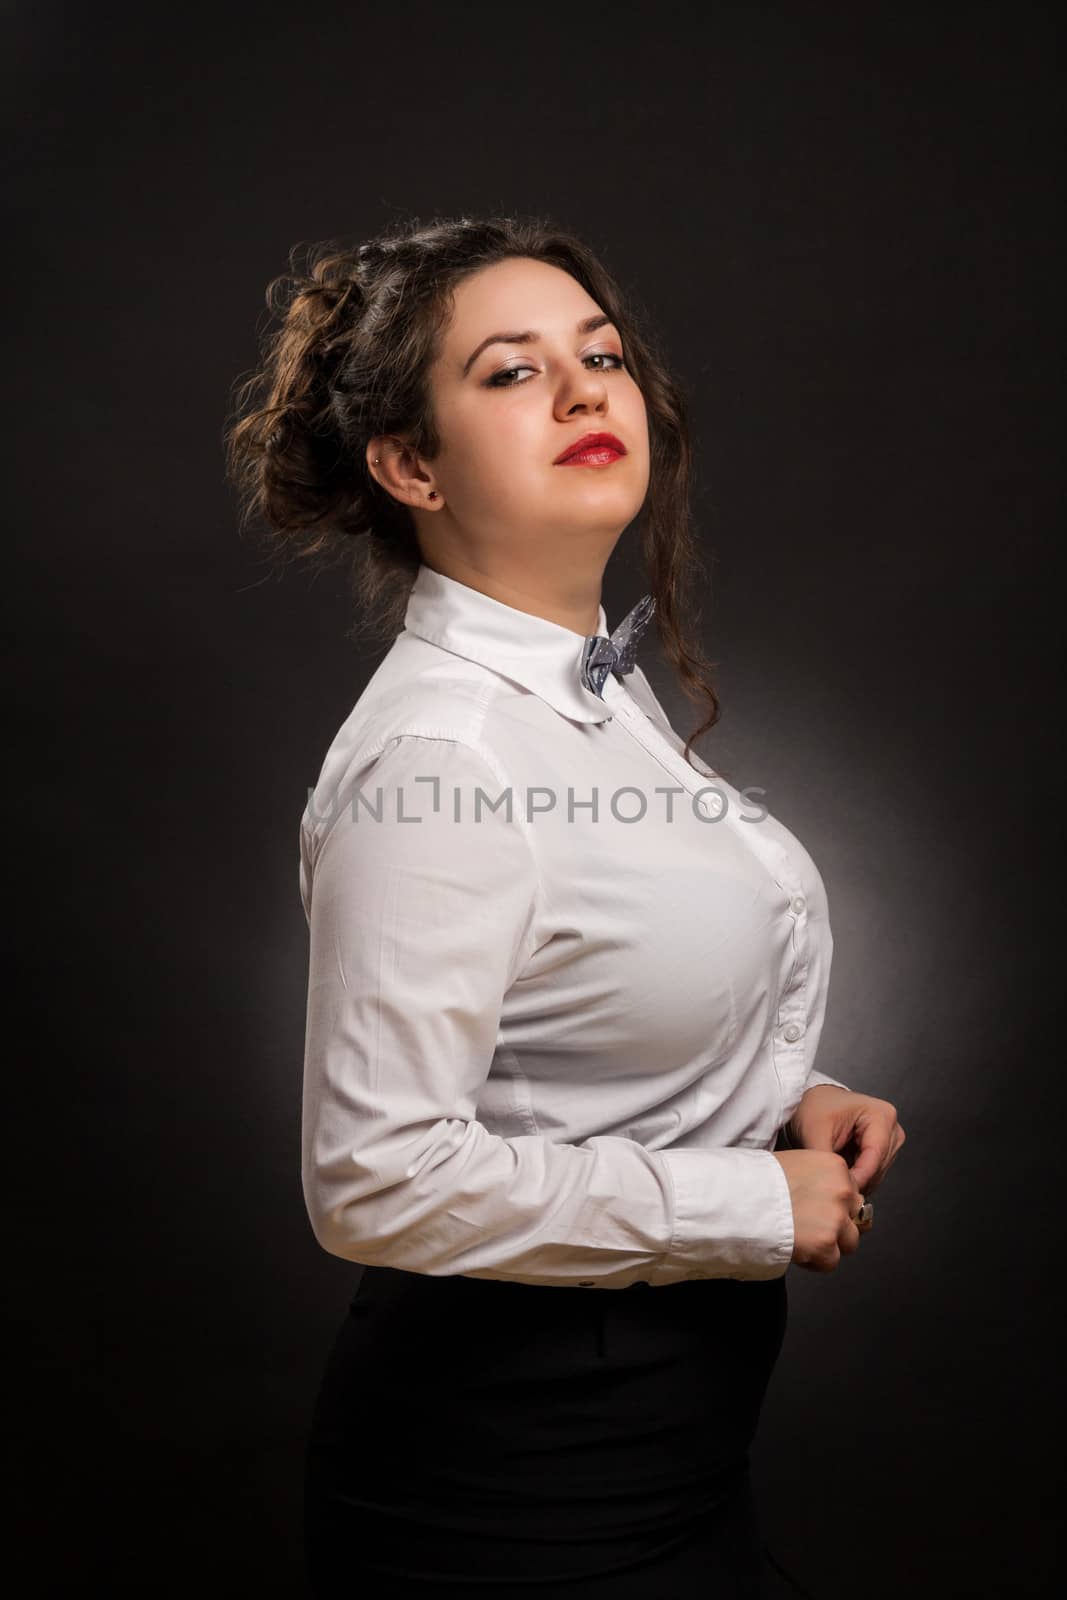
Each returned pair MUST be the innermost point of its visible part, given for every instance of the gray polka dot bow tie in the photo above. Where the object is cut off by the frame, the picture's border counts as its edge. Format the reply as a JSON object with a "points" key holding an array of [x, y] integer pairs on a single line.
{"points": [[617, 654]]}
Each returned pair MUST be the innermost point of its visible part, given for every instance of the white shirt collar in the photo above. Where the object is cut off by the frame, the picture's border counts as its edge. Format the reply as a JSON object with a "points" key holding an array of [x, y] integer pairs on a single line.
{"points": [[541, 656]]}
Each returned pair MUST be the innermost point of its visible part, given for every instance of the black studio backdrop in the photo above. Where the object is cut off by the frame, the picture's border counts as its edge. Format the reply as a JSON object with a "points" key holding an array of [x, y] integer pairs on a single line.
{"points": [[848, 221]]}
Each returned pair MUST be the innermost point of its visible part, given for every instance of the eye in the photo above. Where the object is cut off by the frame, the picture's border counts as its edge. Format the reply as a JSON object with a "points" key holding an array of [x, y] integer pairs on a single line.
{"points": [[499, 380], [607, 355]]}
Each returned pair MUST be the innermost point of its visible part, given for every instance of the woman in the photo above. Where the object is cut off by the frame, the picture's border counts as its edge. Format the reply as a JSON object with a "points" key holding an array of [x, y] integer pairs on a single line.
{"points": [[565, 992]]}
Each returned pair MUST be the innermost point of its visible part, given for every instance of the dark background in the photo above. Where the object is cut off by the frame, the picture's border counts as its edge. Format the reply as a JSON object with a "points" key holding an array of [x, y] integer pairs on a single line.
{"points": [[846, 221]]}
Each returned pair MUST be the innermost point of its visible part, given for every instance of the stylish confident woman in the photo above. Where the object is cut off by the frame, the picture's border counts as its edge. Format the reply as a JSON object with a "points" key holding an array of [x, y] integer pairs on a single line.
{"points": [[566, 984]]}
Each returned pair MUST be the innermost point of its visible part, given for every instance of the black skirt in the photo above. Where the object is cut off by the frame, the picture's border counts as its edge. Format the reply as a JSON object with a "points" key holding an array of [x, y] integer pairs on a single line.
{"points": [[477, 1436]]}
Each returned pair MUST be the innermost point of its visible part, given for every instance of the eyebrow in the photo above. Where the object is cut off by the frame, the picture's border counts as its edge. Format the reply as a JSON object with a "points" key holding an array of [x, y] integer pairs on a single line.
{"points": [[590, 325]]}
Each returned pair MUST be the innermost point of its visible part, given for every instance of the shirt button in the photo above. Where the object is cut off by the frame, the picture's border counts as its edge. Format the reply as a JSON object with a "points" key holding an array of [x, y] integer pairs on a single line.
{"points": [[791, 1031], [797, 902]]}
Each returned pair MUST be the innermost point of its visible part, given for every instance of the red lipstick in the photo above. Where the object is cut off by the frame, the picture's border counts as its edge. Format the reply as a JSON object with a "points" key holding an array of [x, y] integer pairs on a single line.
{"points": [[591, 450]]}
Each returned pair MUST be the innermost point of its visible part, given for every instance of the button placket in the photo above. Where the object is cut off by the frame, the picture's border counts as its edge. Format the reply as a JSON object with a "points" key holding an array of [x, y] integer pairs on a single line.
{"points": [[787, 1037], [787, 1040]]}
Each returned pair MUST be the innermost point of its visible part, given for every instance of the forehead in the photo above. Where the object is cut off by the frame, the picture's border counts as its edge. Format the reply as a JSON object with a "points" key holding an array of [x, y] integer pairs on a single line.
{"points": [[518, 293]]}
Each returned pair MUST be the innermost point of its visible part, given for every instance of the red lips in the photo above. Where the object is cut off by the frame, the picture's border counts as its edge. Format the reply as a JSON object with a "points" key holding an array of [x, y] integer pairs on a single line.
{"points": [[591, 441]]}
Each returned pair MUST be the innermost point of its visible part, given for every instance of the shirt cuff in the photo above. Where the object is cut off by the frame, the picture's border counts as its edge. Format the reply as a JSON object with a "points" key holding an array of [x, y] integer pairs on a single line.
{"points": [[822, 1077], [733, 1213]]}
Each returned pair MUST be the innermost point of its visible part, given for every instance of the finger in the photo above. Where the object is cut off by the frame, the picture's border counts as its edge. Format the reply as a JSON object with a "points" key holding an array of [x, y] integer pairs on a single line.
{"points": [[896, 1140], [866, 1188], [870, 1159], [872, 1162], [848, 1240]]}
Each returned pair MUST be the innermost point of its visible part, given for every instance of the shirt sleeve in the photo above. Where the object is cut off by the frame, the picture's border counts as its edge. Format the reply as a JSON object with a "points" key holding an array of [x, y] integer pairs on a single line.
{"points": [[815, 1077], [419, 923]]}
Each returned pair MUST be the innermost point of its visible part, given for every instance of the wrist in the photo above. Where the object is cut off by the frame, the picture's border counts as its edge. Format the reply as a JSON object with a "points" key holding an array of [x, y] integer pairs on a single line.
{"points": [[822, 1089], [789, 1137]]}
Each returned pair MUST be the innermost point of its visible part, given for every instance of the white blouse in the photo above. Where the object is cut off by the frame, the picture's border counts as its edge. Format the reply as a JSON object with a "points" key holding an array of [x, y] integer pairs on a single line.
{"points": [[563, 989]]}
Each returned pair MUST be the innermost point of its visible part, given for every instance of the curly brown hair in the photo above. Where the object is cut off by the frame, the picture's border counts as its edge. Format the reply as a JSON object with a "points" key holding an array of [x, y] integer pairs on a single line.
{"points": [[359, 329]]}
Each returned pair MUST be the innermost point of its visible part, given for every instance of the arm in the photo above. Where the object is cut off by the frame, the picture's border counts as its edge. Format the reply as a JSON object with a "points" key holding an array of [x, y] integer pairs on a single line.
{"points": [[417, 931]]}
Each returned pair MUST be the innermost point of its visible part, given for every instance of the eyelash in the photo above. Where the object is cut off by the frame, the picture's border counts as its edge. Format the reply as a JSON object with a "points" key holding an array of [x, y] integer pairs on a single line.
{"points": [[492, 383]]}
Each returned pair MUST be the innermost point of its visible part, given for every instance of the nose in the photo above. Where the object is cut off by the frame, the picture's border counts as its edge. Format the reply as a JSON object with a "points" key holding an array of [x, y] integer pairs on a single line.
{"points": [[585, 388]]}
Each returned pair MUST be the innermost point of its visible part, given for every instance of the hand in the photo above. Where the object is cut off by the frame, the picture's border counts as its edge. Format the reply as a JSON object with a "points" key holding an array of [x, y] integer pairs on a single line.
{"points": [[824, 1198], [860, 1127]]}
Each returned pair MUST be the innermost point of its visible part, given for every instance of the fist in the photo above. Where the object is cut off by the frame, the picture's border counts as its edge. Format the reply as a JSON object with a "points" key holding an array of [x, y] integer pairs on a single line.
{"points": [[825, 1197]]}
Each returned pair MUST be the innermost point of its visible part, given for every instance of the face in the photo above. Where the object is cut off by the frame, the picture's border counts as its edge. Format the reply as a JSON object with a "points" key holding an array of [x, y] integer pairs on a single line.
{"points": [[507, 409]]}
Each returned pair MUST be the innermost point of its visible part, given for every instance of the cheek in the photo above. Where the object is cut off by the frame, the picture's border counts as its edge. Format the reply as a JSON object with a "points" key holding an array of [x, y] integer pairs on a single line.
{"points": [[510, 444], [483, 432], [493, 468], [636, 414], [640, 434]]}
